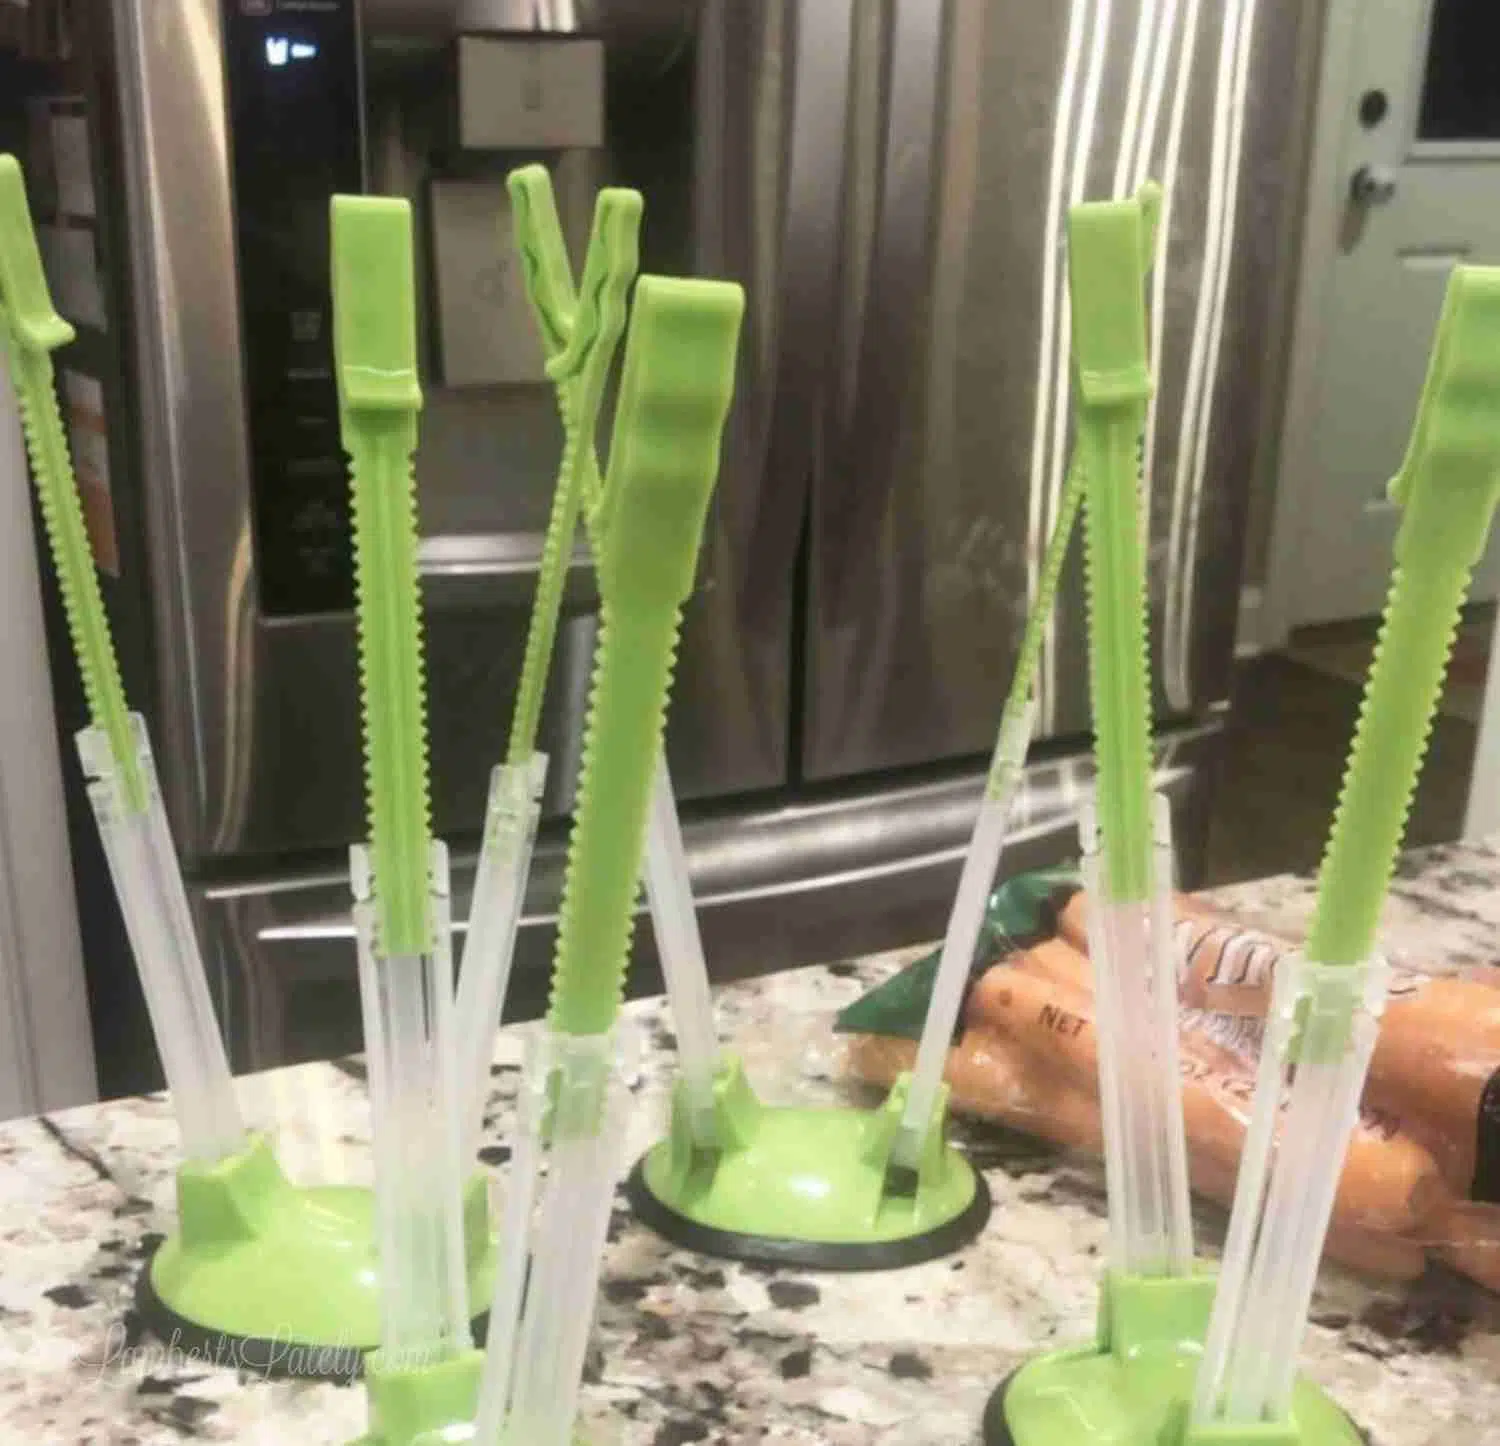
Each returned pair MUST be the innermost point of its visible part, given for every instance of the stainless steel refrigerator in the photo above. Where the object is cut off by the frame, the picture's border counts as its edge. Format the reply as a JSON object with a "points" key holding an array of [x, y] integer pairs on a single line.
{"points": [[878, 174]]}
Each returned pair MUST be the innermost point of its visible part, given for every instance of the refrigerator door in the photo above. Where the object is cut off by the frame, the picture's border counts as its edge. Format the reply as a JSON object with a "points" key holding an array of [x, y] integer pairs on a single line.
{"points": [[930, 510], [231, 155], [771, 101]]}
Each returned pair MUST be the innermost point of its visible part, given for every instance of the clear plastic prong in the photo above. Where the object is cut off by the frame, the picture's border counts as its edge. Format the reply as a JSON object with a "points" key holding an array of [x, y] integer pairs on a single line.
{"points": [[574, 1103], [961, 939], [407, 1005], [510, 825], [679, 944], [1320, 1033], [1135, 986], [148, 884]]}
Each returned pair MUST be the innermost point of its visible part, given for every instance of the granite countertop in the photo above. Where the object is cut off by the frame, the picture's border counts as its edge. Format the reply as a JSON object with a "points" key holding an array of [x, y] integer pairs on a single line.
{"points": [[690, 1349]]}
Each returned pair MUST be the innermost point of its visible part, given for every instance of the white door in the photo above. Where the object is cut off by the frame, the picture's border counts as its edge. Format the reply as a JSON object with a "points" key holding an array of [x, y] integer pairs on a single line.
{"points": [[1405, 182]]}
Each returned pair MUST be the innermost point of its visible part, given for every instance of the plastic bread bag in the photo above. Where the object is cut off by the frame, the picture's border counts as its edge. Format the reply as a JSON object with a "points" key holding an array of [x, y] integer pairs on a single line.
{"points": [[1025, 1056]]}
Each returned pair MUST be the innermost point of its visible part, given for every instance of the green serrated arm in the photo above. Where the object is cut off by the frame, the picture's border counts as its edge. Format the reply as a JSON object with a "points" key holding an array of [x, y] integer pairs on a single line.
{"points": [[1110, 249], [379, 397], [1448, 487], [579, 334], [1108, 449], [32, 331], [636, 657], [674, 397], [1034, 635], [546, 604]]}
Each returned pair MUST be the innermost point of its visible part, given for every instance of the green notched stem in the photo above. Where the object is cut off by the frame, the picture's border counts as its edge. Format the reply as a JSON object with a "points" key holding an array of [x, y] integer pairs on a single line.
{"points": [[1110, 246], [579, 335], [1447, 488], [32, 330], [1034, 635], [674, 396], [375, 345]]}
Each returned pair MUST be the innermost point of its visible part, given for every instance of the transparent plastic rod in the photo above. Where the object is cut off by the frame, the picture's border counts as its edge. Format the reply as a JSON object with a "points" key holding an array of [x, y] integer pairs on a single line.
{"points": [[514, 1242], [1323, 1033], [1249, 1192], [1135, 983], [532, 1396], [510, 824], [669, 894], [961, 940], [407, 1006], [148, 883]]}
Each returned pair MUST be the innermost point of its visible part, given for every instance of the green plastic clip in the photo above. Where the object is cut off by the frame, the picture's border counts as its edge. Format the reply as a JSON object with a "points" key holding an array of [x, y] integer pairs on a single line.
{"points": [[674, 397], [31, 331], [580, 333], [1110, 246], [545, 269], [375, 347], [1447, 488]]}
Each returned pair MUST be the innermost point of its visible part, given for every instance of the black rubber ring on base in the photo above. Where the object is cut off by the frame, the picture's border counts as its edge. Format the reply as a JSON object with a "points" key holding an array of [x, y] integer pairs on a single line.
{"points": [[807, 1254], [995, 1430], [272, 1360]]}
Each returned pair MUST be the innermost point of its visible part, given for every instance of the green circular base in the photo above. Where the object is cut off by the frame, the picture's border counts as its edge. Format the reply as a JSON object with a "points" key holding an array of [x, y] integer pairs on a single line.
{"points": [[300, 1300], [804, 1188], [1093, 1398]]}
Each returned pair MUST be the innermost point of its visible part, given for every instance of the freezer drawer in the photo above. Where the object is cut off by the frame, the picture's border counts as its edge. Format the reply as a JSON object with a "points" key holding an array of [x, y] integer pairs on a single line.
{"points": [[776, 888]]}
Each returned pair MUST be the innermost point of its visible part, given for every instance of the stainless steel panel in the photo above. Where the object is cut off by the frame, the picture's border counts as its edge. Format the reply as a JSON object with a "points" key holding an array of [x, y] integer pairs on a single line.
{"points": [[776, 887], [794, 301], [189, 389], [923, 519], [649, 30], [768, 95]]}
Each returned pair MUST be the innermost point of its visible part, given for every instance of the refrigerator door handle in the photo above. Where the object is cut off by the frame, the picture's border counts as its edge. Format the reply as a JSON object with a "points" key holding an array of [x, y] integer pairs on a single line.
{"points": [[858, 489], [497, 569], [785, 445]]}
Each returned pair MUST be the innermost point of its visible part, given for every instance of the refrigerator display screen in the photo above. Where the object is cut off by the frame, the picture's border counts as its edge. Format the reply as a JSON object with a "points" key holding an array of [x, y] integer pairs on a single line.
{"points": [[294, 97]]}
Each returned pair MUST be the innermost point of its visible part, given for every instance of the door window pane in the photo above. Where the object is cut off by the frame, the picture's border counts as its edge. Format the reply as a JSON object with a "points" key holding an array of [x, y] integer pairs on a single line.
{"points": [[1461, 95]]}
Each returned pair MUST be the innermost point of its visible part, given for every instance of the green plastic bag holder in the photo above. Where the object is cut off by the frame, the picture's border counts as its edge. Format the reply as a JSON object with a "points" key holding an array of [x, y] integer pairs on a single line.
{"points": [[807, 1187], [278, 1279], [796, 1186], [1134, 1384], [260, 1274]]}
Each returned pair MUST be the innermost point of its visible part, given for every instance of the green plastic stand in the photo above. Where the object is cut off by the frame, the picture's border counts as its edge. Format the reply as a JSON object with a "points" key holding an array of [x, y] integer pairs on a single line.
{"points": [[278, 1279], [807, 1187], [1132, 1387], [422, 1404]]}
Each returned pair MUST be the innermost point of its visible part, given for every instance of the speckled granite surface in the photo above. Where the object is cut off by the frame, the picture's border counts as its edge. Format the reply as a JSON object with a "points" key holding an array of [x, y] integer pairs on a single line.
{"points": [[688, 1349]]}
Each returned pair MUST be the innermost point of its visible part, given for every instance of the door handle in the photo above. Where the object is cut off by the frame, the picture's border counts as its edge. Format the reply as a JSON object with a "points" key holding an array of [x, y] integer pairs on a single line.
{"points": [[1372, 185], [462, 571]]}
